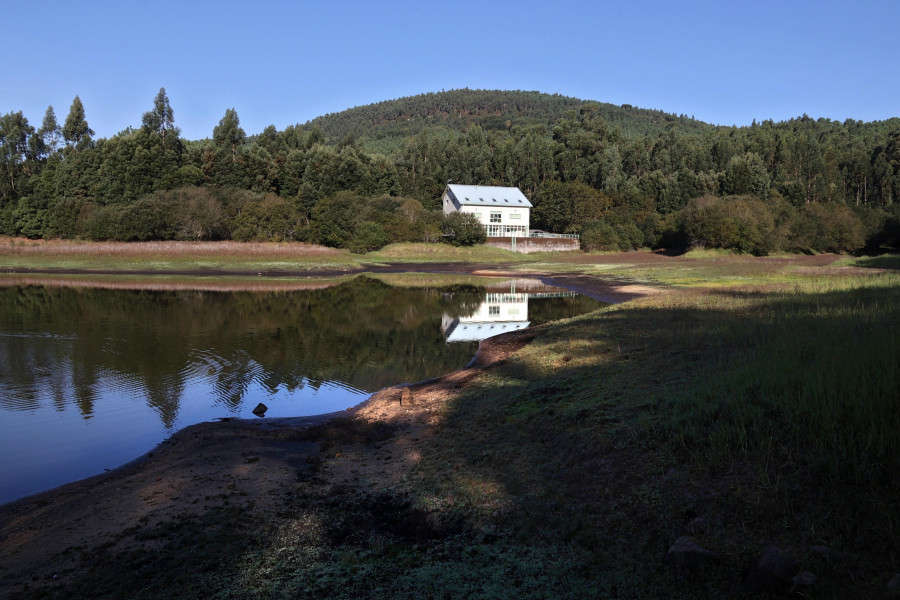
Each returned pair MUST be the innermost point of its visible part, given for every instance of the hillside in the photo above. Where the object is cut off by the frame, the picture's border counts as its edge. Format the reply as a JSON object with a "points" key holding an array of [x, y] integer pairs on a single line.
{"points": [[383, 125]]}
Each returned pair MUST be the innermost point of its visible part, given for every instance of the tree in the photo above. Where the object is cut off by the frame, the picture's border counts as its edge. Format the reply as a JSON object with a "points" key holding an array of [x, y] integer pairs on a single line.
{"points": [[76, 131], [228, 133], [746, 174], [14, 136], [46, 142], [162, 118]]}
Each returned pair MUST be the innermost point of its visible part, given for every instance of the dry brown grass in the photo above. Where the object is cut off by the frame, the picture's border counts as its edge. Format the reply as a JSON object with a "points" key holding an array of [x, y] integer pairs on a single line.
{"points": [[166, 284], [257, 249]]}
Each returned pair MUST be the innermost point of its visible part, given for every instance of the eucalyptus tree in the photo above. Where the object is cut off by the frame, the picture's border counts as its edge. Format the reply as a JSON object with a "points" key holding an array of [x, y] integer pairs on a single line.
{"points": [[160, 120], [76, 131], [46, 141], [228, 134], [14, 135]]}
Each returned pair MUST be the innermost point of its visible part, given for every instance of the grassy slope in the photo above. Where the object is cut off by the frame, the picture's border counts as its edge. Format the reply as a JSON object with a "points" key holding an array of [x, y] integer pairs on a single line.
{"points": [[755, 397]]}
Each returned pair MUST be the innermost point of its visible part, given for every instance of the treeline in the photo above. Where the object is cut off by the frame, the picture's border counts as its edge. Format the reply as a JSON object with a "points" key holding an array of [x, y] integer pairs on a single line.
{"points": [[804, 184]]}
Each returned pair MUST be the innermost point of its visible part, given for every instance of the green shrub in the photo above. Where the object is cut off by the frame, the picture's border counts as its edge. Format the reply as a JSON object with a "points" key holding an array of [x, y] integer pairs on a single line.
{"points": [[368, 236], [462, 229], [822, 228], [741, 223]]}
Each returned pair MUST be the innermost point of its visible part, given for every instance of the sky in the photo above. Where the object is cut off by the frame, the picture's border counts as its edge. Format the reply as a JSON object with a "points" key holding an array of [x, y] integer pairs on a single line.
{"points": [[283, 63]]}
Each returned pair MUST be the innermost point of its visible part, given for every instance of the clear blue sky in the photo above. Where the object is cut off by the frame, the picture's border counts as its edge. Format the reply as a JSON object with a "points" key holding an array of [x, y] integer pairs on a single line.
{"points": [[283, 63]]}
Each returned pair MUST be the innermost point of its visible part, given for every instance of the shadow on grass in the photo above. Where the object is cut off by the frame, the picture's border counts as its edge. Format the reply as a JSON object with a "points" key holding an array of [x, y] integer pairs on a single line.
{"points": [[885, 261], [742, 419]]}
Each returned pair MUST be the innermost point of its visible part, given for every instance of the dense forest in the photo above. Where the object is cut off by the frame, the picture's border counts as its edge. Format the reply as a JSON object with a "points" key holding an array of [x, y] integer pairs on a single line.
{"points": [[620, 176]]}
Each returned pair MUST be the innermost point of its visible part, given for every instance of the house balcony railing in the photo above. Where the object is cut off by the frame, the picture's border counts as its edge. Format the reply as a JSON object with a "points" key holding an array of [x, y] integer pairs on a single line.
{"points": [[496, 230], [536, 233]]}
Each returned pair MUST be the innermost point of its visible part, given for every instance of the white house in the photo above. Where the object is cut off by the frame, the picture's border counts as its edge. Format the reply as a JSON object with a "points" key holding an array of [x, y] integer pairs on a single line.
{"points": [[503, 211]]}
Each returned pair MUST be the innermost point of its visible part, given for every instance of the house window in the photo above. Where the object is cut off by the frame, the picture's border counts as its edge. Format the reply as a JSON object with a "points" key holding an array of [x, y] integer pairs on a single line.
{"points": [[495, 217], [477, 216], [493, 311], [515, 216]]}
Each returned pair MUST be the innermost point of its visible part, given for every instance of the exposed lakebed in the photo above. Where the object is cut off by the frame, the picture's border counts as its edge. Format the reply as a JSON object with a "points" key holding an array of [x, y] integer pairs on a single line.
{"points": [[92, 378]]}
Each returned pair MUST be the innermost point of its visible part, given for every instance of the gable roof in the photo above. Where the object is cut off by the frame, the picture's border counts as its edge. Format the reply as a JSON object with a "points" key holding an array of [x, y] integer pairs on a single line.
{"points": [[487, 195]]}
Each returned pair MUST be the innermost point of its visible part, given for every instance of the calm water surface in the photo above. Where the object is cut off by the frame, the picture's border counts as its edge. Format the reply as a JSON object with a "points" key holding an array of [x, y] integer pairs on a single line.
{"points": [[90, 378]]}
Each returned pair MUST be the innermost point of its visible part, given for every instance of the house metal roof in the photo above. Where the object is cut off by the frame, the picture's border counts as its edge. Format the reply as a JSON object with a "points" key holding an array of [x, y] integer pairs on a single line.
{"points": [[487, 195], [475, 332]]}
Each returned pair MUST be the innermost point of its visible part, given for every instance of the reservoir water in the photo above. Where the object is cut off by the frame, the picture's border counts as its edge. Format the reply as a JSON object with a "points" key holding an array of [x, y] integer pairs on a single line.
{"points": [[93, 378]]}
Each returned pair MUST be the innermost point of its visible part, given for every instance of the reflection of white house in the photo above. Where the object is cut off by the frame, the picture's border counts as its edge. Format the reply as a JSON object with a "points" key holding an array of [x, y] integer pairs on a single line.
{"points": [[503, 211], [499, 313]]}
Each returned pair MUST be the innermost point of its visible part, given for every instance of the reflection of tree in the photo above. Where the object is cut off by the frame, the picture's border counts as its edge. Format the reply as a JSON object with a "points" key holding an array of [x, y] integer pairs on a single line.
{"points": [[164, 395], [62, 342], [84, 379], [544, 310], [234, 376]]}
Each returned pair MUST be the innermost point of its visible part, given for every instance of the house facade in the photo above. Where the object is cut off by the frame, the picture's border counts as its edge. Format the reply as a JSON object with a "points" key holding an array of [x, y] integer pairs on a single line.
{"points": [[502, 211]]}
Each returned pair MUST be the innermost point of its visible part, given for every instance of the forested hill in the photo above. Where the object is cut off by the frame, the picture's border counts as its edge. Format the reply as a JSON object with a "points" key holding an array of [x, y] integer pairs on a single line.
{"points": [[383, 125]]}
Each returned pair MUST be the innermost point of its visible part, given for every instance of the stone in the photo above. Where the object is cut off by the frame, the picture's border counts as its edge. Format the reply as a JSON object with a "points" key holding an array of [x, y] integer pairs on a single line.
{"points": [[405, 397], [260, 409], [803, 582], [829, 554], [772, 570], [893, 586], [686, 552], [698, 525]]}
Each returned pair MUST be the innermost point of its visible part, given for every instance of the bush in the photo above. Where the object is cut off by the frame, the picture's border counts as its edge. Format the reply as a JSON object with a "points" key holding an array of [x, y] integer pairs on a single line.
{"points": [[827, 229], [741, 223], [270, 218], [368, 236], [150, 218], [598, 235], [334, 219], [462, 229], [615, 231]]}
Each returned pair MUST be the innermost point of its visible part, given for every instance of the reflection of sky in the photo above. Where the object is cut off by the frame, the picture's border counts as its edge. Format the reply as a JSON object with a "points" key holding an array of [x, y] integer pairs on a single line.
{"points": [[123, 426]]}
